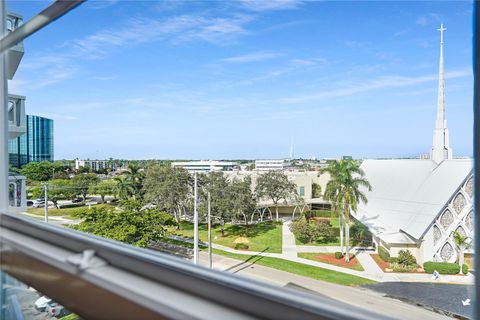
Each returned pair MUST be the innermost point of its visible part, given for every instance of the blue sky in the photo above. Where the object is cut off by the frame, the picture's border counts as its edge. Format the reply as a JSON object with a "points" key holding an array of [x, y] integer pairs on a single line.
{"points": [[240, 79]]}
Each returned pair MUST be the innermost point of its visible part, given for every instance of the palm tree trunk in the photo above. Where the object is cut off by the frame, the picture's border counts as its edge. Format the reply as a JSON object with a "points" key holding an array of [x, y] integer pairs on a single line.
{"points": [[461, 260], [340, 223], [347, 241]]}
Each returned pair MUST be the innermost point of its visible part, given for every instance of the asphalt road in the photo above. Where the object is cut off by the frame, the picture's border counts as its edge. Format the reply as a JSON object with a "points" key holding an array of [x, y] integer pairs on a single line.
{"points": [[440, 297], [356, 296]]}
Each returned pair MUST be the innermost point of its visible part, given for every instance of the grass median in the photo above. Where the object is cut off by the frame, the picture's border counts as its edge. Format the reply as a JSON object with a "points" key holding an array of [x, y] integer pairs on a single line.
{"points": [[300, 269]]}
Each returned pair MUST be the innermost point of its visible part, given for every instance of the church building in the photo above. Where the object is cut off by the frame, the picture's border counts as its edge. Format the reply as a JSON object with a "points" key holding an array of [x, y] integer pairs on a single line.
{"points": [[418, 204]]}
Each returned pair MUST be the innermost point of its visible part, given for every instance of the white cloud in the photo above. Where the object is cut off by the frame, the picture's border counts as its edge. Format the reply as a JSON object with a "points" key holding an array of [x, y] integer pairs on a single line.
{"points": [[267, 5], [251, 57], [428, 19], [376, 84], [184, 28], [105, 78], [100, 4]]}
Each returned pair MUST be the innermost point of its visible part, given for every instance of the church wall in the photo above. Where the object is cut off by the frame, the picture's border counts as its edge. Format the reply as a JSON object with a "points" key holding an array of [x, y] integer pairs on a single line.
{"points": [[457, 216], [395, 249]]}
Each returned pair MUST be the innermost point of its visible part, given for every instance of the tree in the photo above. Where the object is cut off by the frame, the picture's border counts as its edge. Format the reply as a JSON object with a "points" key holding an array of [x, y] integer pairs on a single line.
{"points": [[275, 186], [343, 191], [168, 188], [57, 189], [243, 201], [130, 223], [316, 190], [83, 182], [462, 242], [123, 189], [220, 197], [104, 188], [45, 170], [135, 177], [38, 171]]}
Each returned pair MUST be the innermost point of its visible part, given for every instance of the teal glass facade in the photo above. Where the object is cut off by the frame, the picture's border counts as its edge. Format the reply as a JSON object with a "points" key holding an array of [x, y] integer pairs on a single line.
{"points": [[35, 145]]}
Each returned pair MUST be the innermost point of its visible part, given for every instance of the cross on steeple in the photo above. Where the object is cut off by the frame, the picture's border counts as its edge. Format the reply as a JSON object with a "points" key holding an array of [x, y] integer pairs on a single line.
{"points": [[441, 148], [441, 32]]}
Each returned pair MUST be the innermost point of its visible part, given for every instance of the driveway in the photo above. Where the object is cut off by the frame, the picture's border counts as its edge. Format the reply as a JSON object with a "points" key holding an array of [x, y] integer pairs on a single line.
{"points": [[443, 298]]}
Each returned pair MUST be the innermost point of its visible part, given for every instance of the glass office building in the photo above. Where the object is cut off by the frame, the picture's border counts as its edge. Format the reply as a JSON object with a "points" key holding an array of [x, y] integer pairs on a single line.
{"points": [[35, 145]]}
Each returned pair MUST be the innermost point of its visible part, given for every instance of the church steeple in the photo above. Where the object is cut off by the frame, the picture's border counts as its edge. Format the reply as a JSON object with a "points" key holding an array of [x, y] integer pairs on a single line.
{"points": [[441, 149]]}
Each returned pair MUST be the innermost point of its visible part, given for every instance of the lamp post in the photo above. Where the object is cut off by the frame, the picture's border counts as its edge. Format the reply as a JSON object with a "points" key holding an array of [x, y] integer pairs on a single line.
{"points": [[195, 221], [210, 262]]}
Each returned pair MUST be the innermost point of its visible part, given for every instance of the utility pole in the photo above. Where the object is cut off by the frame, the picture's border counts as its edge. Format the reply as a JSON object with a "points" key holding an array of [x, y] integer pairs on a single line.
{"points": [[45, 187], [210, 262], [195, 221]]}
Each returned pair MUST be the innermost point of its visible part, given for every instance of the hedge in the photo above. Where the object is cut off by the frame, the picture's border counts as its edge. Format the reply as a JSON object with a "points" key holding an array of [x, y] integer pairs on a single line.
{"points": [[444, 267], [383, 253], [319, 213]]}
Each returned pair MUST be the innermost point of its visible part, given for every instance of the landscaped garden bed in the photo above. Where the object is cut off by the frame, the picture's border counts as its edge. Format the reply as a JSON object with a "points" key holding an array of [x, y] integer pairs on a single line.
{"points": [[331, 259], [405, 262]]}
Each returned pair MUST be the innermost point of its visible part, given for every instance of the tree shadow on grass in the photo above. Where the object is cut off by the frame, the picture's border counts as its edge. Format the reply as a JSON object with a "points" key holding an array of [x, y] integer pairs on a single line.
{"points": [[249, 262]]}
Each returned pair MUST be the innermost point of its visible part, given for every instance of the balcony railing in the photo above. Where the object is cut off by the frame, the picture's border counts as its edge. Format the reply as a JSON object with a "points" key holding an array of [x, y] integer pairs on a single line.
{"points": [[17, 194], [16, 116], [15, 54]]}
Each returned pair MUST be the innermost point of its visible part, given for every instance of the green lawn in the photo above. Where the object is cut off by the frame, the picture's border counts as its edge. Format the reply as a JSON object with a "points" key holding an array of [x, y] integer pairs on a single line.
{"points": [[354, 265], [265, 236], [66, 212], [300, 269]]}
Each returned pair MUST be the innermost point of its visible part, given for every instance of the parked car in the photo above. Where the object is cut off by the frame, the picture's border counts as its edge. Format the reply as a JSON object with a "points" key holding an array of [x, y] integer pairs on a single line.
{"points": [[41, 303], [38, 203], [77, 200], [29, 203], [54, 309]]}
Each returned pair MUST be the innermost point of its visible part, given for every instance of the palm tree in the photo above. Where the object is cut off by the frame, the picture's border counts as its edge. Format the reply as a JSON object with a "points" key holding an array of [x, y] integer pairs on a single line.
{"points": [[123, 189], [343, 191], [135, 177], [462, 242]]}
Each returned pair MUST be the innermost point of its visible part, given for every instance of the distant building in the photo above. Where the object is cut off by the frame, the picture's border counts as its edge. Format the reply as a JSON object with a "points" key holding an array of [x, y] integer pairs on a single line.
{"points": [[206, 165], [95, 165], [35, 145], [272, 164]]}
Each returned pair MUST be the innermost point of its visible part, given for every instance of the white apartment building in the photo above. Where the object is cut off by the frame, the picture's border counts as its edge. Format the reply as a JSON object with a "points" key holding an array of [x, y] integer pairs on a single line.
{"points": [[206, 165], [271, 164], [92, 164]]}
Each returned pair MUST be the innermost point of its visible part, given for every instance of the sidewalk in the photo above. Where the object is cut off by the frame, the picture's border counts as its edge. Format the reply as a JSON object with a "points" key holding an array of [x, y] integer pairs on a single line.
{"points": [[289, 247]]}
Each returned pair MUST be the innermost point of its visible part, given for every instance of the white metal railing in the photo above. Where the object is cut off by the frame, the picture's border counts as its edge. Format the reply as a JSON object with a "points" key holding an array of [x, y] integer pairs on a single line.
{"points": [[16, 116]]}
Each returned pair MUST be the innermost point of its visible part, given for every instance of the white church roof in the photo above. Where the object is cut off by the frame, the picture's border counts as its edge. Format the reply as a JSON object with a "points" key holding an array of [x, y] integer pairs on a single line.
{"points": [[408, 194]]}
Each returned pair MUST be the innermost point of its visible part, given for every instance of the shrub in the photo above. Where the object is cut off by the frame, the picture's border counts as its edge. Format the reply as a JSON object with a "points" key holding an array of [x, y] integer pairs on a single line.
{"points": [[302, 230], [241, 246], [465, 268], [308, 231], [338, 255], [323, 229], [393, 260], [406, 258], [359, 233], [442, 267], [383, 253], [397, 267]]}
